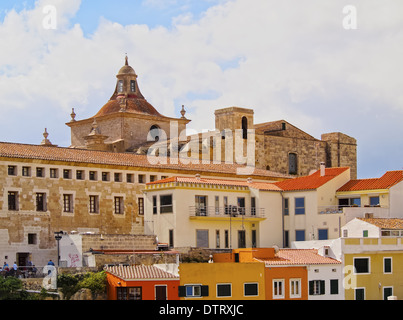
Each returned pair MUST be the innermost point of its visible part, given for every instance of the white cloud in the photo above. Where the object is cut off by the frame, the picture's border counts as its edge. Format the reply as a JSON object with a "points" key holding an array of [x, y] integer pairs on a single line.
{"points": [[285, 59]]}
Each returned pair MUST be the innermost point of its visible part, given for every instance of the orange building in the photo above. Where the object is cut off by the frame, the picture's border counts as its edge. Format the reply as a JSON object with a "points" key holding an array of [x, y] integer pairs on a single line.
{"points": [[285, 274], [141, 282]]}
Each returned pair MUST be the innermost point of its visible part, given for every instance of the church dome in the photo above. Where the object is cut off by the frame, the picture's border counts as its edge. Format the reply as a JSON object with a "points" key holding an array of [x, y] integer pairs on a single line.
{"points": [[133, 105]]}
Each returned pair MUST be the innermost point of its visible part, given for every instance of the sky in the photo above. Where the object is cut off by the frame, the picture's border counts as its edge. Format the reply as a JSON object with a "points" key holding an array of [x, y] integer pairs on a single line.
{"points": [[323, 66]]}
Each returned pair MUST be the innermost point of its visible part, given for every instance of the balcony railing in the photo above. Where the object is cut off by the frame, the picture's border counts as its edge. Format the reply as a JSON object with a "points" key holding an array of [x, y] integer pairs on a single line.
{"points": [[342, 209], [230, 211]]}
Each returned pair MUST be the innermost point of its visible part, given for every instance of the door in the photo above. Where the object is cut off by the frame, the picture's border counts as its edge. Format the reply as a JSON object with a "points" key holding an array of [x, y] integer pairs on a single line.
{"points": [[201, 205], [160, 292], [241, 239]]}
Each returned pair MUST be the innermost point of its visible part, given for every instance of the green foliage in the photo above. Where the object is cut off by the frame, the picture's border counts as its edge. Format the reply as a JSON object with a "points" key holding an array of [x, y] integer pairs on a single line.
{"points": [[10, 288], [70, 284], [95, 281]]}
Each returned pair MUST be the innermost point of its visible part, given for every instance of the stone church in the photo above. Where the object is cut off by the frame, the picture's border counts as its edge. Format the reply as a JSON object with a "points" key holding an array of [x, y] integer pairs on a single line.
{"points": [[128, 123]]}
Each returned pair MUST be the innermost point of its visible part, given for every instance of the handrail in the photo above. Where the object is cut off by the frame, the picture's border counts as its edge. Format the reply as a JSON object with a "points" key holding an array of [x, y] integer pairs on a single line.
{"points": [[230, 211]]}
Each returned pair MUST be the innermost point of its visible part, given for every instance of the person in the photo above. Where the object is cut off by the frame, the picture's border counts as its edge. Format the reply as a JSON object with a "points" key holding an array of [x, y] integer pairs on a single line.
{"points": [[5, 266], [15, 267], [51, 263]]}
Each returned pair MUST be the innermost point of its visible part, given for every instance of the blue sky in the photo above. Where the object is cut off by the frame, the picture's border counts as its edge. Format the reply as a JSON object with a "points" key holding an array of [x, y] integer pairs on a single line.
{"points": [[289, 59]]}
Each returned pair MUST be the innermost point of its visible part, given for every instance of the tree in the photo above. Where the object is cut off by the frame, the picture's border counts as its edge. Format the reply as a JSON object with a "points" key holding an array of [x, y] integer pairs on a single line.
{"points": [[10, 288]]}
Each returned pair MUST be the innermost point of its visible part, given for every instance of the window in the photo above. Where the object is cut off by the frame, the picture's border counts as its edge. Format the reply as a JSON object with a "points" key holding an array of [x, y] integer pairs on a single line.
{"points": [[120, 86], [80, 174], [217, 205], [142, 178], [387, 265], [224, 290], [359, 293], [387, 292], [94, 204], [40, 172], [241, 205], [286, 207], [202, 239], [117, 177], [334, 286], [153, 178], [129, 178], [244, 128], [93, 175], [201, 205], [133, 86], [254, 239], [365, 233], [32, 238], [322, 234], [155, 208], [226, 207], [54, 173], [129, 293], [171, 238], [217, 238], [299, 235], [67, 174], [292, 163], [155, 133], [250, 289], [118, 203], [105, 176], [253, 206], [361, 265], [41, 202], [226, 239], [67, 203], [12, 170], [166, 204], [26, 171], [374, 201], [299, 205], [13, 201], [278, 289], [295, 288], [241, 239], [193, 291], [140, 203], [316, 287]]}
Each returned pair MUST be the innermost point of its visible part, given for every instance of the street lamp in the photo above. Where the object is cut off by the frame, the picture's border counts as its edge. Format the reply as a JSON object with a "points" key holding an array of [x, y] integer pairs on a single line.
{"points": [[58, 236]]}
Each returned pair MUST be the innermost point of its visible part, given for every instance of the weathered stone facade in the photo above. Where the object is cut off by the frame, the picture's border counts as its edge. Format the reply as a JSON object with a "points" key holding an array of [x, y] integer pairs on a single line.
{"points": [[278, 142]]}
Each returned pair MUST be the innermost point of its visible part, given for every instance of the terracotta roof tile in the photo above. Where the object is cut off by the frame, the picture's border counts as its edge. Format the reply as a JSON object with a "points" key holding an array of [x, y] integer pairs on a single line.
{"points": [[298, 257], [385, 223], [49, 153], [134, 105], [388, 180], [312, 181], [221, 182], [140, 272]]}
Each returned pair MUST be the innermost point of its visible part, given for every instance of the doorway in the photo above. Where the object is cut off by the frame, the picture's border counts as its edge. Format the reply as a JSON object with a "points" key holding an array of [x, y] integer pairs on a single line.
{"points": [[160, 292]]}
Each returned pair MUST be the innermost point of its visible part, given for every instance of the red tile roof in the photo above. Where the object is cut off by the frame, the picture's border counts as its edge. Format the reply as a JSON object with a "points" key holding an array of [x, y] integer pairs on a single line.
{"points": [[388, 180], [140, 272], [71, 155], [385, 223], [221, 182], [298, 257], [312, 181]]}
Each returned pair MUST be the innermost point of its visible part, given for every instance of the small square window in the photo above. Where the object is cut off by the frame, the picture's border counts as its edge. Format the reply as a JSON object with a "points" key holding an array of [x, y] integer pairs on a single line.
{"points": [[32, 238], [26, 171], [40, 172], [12, 170], [54, 173], [80, 175], [93, 175], [67, 174], [105, 176]]}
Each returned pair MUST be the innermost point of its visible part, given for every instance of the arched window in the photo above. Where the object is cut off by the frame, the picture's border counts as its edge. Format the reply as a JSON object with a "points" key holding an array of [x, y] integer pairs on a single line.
{"points": [[292, 163], [155, 132], [244, 127]]}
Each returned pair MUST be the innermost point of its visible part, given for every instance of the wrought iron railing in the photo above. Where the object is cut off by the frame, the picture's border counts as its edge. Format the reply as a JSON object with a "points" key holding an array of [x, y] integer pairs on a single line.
{"points": [[229, 211]]}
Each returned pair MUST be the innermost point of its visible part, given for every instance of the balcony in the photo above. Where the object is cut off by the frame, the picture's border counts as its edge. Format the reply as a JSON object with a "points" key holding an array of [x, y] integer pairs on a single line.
{"points": [[232, 212], [352, 212]]}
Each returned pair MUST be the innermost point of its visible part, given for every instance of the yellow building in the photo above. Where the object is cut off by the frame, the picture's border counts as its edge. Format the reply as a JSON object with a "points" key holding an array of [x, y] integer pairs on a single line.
{"points": [[373, 258], [222, 281]]}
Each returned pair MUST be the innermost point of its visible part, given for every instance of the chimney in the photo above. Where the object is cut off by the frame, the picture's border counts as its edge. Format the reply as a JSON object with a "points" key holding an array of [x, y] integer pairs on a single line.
{"points": [[197, 176], [322, 169]]}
